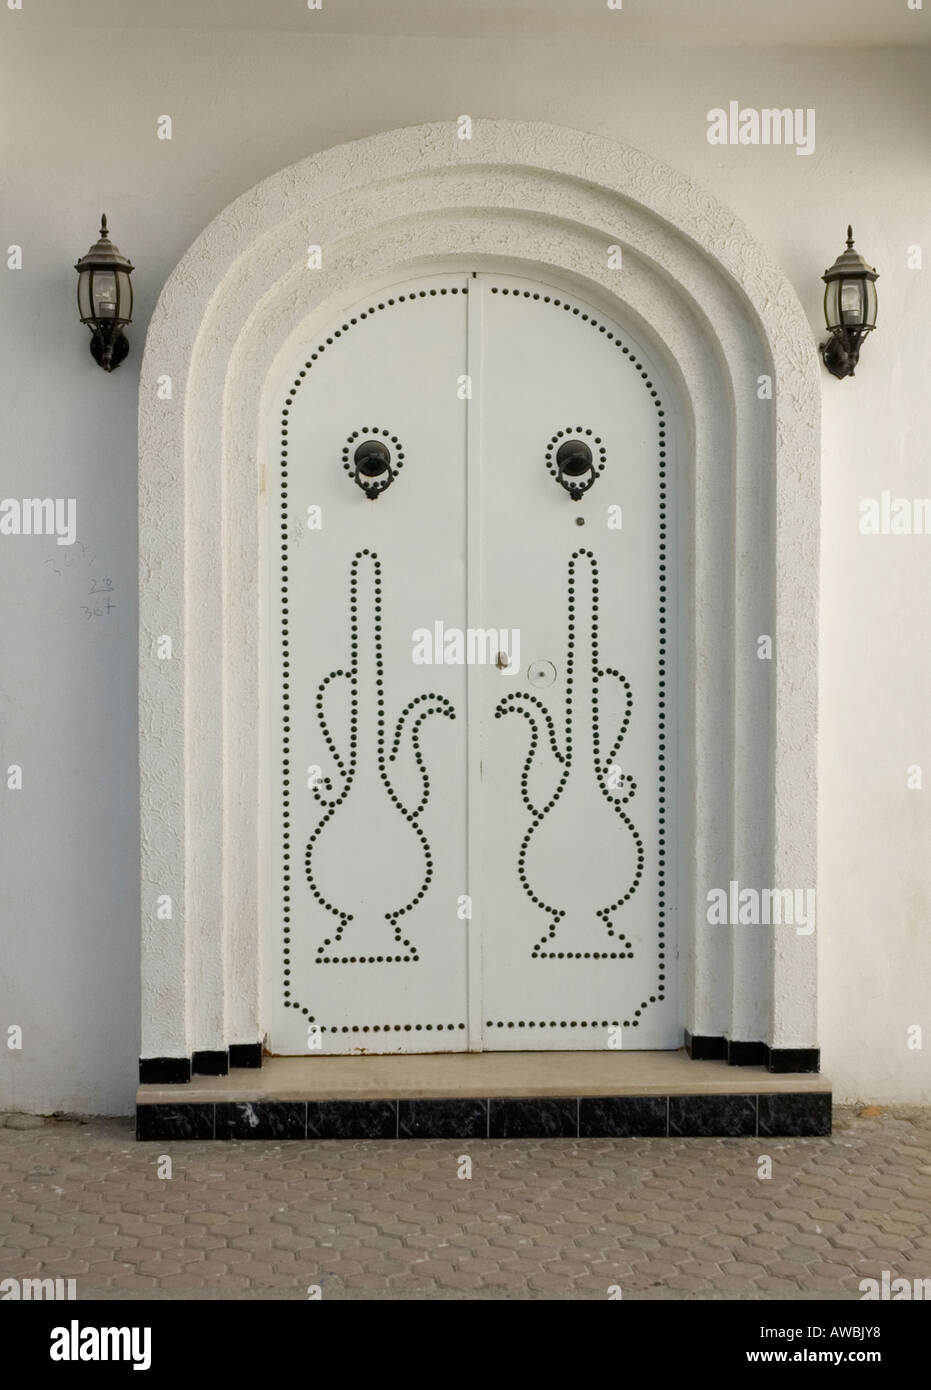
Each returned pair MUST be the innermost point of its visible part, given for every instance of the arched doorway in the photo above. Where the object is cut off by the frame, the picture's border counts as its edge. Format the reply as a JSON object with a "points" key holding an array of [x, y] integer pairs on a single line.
{"points": [[652, 254], [473, 578]]}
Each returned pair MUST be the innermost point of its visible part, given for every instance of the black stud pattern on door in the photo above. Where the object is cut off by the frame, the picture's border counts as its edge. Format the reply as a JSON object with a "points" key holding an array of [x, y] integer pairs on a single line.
{"points": [[285, 521], [616, 792], [399, 737], [662, 905], [337, 799]]}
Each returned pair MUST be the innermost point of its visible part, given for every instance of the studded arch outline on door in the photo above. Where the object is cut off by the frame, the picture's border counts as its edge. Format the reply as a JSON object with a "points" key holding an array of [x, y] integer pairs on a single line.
{"points": [[370, 1029]]}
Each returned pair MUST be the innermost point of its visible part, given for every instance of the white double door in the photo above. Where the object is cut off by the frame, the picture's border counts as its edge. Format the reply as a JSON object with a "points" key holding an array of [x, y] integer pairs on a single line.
{"points": [[471, 608]]}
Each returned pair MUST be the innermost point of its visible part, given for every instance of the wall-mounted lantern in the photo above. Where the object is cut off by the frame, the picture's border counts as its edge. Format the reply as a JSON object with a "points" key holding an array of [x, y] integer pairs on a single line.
{"points": [[849, 309], [105, 299]]}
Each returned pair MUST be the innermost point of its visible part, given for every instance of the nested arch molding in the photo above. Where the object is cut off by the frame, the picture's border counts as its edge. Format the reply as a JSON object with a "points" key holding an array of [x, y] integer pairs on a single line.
{"points": [[708, 303]]}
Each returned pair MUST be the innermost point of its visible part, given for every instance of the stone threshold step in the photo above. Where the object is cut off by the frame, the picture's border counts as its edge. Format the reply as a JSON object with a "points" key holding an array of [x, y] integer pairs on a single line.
{"points": [[488, 1095]]}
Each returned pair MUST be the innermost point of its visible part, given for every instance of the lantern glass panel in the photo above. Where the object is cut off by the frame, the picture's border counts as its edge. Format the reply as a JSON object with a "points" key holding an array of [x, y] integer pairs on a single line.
{"points": [[125, 287], [832, 304], [871, 304], [85, 307], [104, 292], [852, 302]]}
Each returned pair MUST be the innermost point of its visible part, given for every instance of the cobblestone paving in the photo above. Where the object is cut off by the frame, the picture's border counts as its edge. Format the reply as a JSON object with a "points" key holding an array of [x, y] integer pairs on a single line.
{"points": [[662, 1218]]}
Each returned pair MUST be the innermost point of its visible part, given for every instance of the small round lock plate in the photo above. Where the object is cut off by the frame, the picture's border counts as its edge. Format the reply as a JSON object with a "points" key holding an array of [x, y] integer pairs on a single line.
{"points": [[541, 673]]}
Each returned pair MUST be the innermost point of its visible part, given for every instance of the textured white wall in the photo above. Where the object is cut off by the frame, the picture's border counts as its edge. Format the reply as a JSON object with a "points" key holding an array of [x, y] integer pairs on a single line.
{"points": [[245, 104]]}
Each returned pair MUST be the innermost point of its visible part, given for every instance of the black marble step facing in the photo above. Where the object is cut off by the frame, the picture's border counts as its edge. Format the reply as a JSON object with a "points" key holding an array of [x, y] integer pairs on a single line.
{"points": [[769, 1115]]}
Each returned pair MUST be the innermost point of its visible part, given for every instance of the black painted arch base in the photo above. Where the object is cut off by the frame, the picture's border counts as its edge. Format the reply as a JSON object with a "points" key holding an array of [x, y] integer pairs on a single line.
{"points": [[752, 1054], [164, 1071], [172, 1071], [791, 1114]]}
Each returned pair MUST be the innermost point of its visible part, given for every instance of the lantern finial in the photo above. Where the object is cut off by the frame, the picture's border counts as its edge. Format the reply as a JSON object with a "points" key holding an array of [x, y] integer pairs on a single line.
{"points": [[103, 226], [849, 236]]}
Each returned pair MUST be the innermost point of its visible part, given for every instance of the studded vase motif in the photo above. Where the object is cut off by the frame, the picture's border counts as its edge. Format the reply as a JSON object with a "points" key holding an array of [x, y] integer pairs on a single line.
{"points": [[365, 822], [582, 858]]}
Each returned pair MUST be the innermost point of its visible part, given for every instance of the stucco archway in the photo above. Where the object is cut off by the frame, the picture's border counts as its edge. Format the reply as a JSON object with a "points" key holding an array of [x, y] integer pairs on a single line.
{"points": [[721, 316]]}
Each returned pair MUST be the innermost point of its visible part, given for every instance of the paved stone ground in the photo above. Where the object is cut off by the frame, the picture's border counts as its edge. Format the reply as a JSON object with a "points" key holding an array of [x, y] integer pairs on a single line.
{"points": [[662, 1218]]}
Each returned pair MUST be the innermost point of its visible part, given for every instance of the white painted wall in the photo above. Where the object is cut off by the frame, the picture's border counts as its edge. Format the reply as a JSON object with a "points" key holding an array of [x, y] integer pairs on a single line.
{"points": [[245, 104]]}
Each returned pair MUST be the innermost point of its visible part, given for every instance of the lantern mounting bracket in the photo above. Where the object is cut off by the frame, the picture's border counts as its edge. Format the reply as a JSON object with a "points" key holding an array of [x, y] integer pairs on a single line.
{"points": [[109, 354], [839, 359]]}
